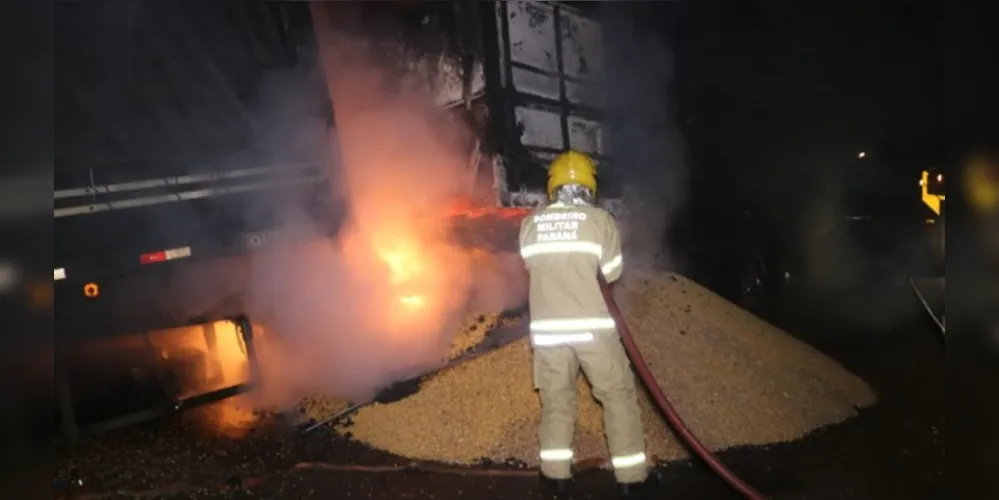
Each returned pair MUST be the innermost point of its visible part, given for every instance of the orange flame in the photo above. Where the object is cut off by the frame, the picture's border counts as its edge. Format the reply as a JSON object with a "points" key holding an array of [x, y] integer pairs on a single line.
{"points": [[217, 359], [403, 261], [407, 262], [412, 301]]}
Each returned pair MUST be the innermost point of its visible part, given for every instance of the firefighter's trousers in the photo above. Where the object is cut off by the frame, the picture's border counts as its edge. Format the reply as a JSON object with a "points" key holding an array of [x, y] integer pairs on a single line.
{"points": [[608, 370]]}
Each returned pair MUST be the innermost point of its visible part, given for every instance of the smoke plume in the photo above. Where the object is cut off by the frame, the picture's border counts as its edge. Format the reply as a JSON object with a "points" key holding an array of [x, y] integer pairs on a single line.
{"points": [[649, 153], [350, 295], [381, 301]]}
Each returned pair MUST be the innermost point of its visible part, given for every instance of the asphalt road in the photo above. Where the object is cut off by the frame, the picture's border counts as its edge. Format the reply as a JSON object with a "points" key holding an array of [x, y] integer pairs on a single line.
{"points": [[894, 450]]}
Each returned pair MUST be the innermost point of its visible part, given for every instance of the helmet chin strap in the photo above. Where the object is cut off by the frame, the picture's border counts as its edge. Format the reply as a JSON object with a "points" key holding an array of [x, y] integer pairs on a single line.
{"points": [[573, 194]]}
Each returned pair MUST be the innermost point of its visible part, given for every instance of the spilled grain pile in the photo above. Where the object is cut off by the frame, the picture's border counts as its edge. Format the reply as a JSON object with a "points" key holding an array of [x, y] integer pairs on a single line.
{"points": [[475, 327], [734, 378]]}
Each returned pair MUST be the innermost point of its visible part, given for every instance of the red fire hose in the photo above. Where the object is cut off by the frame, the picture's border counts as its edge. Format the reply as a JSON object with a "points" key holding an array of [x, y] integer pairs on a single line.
{"points": [[672, 417]]}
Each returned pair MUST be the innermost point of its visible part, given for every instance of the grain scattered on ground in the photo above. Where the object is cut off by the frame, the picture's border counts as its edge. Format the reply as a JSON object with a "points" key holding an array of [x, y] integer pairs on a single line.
{"points": [[734, 378], [474, 332], [318, 407]]}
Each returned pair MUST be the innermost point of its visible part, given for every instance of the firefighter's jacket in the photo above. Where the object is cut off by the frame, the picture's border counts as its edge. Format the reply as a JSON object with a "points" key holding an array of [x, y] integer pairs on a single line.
{"points": [[563, 247]]}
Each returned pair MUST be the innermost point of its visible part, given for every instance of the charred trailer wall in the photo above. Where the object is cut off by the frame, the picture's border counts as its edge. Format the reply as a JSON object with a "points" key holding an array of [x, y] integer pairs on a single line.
{"points": [[546, 91]]}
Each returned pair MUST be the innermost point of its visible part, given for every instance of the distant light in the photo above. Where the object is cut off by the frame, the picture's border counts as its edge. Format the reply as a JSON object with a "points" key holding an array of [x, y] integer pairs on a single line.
{"points": [[91, 290], [939, 177], [861, 154]]}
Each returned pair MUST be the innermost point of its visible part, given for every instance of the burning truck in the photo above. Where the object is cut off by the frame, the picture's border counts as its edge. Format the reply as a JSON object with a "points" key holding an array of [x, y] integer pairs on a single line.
{"points": [[355, 238], [402, 181]]}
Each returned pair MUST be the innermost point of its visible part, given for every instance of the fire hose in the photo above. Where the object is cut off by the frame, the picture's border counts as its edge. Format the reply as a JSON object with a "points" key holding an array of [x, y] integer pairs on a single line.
{"points": [[662, 402]]}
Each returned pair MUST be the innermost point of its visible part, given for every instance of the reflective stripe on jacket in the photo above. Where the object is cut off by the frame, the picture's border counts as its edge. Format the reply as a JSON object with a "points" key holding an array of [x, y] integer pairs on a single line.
{"points": [[563, 246]]}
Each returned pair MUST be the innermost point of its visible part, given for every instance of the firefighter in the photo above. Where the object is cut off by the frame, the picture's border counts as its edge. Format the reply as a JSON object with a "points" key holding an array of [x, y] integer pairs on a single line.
{"points": [[564, 245]]}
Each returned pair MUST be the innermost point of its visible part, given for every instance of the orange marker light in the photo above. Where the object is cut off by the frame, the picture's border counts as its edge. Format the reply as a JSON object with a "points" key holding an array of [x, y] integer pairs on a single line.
{"points": [[91, 290]]}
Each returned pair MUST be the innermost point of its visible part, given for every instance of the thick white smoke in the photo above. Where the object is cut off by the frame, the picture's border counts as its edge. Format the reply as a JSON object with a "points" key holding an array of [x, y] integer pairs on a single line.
{"points": [[382, 301], [650, 155]]}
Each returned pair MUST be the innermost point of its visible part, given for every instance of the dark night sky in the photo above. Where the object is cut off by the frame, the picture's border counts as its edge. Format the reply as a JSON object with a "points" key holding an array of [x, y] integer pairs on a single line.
{"points": [[777, 97], [866, 72], [758, 82]]}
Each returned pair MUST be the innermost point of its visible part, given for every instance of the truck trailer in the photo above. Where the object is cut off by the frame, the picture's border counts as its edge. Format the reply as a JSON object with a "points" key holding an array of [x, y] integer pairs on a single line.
{"points": [[148, 234]]}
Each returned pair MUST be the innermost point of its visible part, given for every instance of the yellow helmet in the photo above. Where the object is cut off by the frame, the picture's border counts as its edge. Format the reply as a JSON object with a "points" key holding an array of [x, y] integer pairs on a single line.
{"points": [[572, 167]]}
